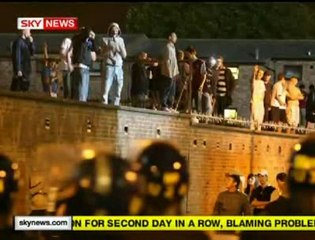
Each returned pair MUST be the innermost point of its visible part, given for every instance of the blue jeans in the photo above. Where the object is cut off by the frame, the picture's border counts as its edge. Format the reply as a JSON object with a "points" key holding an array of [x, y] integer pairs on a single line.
{"points": [[206, 100], [168, 92], [113, 74], [80, 84], [203, 102], [66, 83], [54, 86]]}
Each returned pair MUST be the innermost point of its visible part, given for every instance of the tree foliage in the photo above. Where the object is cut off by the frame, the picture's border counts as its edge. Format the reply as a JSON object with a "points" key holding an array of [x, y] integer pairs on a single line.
{"points": [[223, 20]]}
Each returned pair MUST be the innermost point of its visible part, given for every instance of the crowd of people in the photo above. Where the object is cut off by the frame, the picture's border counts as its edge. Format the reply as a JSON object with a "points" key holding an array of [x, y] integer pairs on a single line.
{"points": [[71, 72], [282, 102], [257, 198], [293, 195], [181, 81], [176, 81], [102, 183]]}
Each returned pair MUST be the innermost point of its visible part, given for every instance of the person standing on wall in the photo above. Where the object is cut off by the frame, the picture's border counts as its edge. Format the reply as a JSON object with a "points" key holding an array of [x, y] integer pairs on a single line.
{"points": [[182, 91], [293, 96], [65, 66], [113, 51], [169, 69], [200, 90], [278, 100], [268, 94], [257, 99], [83, 53], [224, 85], [302, 105], [139, 81], [310, 107], [23, 49]]}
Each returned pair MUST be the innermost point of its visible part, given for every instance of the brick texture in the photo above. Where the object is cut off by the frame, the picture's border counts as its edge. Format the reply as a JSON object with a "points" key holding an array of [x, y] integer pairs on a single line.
{"points": [[27, 121]]}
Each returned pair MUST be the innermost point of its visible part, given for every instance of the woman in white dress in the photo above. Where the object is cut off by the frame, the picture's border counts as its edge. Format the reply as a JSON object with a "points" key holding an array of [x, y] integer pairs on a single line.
{"points": [[257, 99]]}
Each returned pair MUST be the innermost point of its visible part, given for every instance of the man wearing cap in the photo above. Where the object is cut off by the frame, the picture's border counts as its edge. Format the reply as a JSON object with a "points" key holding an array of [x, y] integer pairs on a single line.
{"points": [[261, 195], [113, 51], [232, 202], [302, 194]]}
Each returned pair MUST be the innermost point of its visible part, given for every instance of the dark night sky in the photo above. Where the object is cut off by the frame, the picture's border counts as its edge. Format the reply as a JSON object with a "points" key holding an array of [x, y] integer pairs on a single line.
{"points": [[95, 14]]}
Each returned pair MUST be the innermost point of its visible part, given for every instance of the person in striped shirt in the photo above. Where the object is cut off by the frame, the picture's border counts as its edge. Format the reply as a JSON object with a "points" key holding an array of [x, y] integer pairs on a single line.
{"points": [[224, 85]]}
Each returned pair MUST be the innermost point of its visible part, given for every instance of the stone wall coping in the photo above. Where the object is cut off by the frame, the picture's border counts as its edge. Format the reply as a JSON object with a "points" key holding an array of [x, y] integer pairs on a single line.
{"points": [[96, 105], [245, 130]]}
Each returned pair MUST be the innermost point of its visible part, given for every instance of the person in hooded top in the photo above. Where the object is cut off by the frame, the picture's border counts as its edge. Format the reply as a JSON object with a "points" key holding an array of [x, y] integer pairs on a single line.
{"points": [[113, 51]]}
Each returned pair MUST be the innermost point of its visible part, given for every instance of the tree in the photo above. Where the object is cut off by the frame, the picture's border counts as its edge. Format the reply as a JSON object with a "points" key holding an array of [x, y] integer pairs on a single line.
{"points": [[223, 20]]}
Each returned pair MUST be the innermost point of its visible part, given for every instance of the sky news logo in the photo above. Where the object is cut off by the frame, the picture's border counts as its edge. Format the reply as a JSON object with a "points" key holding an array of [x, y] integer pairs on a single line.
{"points": [[48, 23]]}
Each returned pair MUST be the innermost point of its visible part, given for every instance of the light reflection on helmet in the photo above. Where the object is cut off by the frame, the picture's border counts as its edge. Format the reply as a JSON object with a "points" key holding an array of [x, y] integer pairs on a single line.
{"points": [[106, 183], [164, 172], [302, 164], [9, 175]]}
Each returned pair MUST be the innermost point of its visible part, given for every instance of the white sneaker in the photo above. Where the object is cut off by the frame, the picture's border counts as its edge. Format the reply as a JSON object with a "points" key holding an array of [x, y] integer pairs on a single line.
{"points": [[165, 109]]}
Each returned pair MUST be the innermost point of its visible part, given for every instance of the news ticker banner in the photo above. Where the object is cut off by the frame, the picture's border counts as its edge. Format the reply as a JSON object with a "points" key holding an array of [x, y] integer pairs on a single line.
{"points": [[48, 23], [164, 223]]}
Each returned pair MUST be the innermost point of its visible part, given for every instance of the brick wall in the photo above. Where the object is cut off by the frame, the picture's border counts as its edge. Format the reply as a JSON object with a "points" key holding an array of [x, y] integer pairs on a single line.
{"points": [[26, 121]]}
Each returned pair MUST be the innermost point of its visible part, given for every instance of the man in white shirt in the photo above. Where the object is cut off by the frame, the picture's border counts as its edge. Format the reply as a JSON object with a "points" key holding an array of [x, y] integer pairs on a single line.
{"points": [[278, 100], [169, 69]]}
